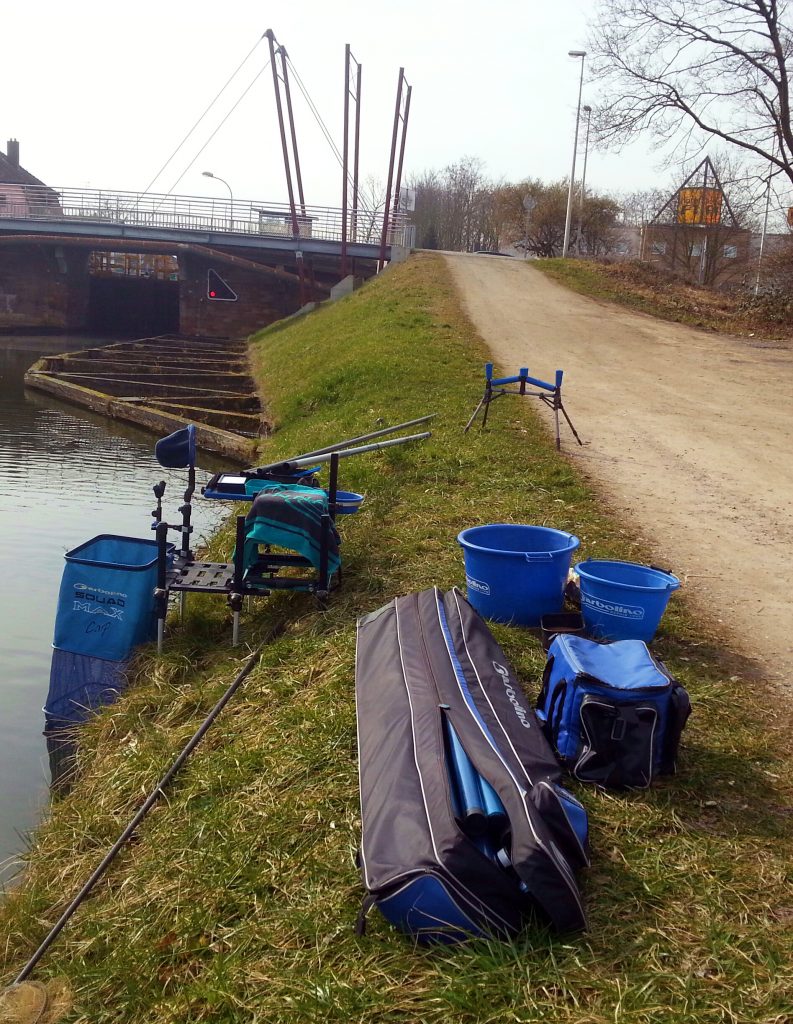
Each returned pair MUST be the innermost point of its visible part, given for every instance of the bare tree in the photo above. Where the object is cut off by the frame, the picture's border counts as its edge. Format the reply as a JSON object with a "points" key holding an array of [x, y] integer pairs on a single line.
{"points": [[427, 215], [455, 208], [637, 208], [371, 206], [541, 231], [691, 70]]}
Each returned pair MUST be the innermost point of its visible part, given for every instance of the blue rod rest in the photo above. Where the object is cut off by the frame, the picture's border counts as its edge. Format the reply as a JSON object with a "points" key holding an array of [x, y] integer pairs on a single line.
{"points": [[522, 378], [540, 383]]}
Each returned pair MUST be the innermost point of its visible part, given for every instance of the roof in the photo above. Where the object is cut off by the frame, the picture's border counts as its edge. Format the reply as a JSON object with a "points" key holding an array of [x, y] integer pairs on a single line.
{"points": [[18, 175]]}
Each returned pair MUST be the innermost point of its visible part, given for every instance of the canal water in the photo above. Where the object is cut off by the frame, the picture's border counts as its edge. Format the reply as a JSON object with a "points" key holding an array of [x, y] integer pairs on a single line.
{"points": [[65, 476]]}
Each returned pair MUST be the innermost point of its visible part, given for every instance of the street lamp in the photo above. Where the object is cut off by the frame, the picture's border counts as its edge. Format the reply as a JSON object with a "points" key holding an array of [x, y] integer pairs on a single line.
{"points": [[209, 174], [569, 217], [588, 112]]}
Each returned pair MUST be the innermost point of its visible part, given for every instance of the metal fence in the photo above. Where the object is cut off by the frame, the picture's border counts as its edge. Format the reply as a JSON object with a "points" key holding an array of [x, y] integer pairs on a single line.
{"points": [[194, 213]]}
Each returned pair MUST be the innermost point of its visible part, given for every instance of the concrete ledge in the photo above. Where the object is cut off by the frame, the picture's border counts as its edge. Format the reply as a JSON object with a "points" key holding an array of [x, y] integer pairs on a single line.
{"points": [[213, 439]]}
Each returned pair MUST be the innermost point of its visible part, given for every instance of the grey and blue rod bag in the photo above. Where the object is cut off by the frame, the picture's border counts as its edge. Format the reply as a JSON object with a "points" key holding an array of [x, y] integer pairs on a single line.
{"points": [[612, 711], [466, 830]]}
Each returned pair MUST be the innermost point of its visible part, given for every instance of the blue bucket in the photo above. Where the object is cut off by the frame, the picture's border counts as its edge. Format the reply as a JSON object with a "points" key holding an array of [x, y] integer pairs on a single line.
{"points": [[623, 600], [106, 600], [516, 573]]}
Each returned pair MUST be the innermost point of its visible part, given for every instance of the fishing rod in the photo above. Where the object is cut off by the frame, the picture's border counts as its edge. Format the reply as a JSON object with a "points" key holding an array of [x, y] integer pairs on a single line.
{"points": [[150, 801], [313, 460], [343, 444]]}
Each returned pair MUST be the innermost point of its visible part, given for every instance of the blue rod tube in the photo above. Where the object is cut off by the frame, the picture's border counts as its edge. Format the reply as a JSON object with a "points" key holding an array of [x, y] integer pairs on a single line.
{"points": [[494, 809], [466, 779]]}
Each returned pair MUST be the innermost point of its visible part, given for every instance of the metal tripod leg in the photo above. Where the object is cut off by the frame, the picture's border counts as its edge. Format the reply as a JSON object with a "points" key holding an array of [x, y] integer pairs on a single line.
{"points": [[475, 413], [570, 424]]}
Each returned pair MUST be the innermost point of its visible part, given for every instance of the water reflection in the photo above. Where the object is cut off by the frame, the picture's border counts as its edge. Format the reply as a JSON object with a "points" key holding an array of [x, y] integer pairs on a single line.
{"points": [[65, 475]]}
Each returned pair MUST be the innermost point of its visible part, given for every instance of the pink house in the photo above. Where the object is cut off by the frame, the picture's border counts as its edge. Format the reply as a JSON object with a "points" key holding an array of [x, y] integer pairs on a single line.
{"points": [[21, 193]]}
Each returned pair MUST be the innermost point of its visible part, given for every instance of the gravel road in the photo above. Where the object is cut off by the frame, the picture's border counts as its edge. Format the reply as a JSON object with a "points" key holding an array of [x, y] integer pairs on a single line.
{"points": [[689, 434]]}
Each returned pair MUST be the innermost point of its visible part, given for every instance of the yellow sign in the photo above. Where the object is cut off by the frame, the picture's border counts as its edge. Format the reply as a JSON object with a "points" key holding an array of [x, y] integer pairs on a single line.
{"points": [[699, 205]]}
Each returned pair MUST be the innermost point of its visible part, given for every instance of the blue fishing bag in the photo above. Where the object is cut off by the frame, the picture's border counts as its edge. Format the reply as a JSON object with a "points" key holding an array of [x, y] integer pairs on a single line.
{"points": [[466, 829], [613, 712]]}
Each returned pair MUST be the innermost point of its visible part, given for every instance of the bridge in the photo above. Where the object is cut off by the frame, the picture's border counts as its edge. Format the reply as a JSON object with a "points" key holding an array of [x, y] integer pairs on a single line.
{"points": [[78, 213], [269, 258], [239, 264]]}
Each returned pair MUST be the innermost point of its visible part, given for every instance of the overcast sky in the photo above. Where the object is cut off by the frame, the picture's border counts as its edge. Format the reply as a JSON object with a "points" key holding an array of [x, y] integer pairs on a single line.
{"points": [[100, 93]]}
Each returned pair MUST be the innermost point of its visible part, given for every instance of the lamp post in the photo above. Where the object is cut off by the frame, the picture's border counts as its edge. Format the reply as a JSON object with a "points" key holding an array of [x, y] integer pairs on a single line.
{"points": [[569, 217], [588, 112], [209, 174]]}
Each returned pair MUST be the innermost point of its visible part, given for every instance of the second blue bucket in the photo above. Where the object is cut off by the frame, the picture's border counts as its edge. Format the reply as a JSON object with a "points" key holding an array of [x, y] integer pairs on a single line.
{"points": [[516, 573], [623, 600]]}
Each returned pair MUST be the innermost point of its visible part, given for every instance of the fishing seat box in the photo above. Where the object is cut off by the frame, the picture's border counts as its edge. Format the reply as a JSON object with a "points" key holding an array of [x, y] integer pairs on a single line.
{"points": [[420, 659], [613, 712]]}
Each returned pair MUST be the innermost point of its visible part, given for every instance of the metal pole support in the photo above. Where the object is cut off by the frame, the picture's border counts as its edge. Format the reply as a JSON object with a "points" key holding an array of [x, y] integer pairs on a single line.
{"points": [[161, 591]]}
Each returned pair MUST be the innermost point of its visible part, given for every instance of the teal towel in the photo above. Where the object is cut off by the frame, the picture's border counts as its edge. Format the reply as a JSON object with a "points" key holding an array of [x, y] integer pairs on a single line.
{"points": [[290, 516]]}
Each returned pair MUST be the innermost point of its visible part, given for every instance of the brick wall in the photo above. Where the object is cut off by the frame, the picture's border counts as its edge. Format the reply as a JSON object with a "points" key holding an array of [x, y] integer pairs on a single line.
{"points": [[48, 286], [43, 286]]}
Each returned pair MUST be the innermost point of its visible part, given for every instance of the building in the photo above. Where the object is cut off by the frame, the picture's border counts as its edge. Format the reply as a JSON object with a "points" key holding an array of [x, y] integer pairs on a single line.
{"points": [[697, 236], [22, 194]]}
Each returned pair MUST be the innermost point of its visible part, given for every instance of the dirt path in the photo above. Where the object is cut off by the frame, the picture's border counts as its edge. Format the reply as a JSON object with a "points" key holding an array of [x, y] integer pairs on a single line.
{"points": [[690, 435]]}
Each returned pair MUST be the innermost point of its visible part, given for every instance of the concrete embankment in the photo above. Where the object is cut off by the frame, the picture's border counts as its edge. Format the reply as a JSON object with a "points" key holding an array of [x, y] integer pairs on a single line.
{"points": [[161, 384]]}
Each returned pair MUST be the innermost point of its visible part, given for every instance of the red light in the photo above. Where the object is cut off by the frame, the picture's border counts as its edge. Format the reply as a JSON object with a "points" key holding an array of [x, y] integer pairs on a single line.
{"points": [[212, 295]]}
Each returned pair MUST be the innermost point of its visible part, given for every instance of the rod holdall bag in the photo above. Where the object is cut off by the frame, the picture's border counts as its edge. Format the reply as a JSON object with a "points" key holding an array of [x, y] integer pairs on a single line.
{"points": [[466, 828], [612, 712]]}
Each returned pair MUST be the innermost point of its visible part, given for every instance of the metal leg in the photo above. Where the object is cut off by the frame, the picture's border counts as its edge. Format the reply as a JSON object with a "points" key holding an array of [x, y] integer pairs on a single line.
{"points": [[475, 413], [570, 424], [161, 591], [236, 595], [487, 410]]}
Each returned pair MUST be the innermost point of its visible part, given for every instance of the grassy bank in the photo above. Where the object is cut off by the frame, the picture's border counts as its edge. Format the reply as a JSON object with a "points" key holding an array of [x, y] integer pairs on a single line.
{"points": [[237, 901], [649, 288]]}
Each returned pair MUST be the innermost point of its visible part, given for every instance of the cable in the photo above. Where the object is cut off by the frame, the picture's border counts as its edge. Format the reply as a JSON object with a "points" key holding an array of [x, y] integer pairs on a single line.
{"points": [[315, 112], [201, 118], [214, 133]]}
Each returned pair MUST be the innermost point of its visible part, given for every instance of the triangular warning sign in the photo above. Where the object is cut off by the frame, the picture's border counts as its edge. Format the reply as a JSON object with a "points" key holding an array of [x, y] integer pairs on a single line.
{"points": [[218, 290]]}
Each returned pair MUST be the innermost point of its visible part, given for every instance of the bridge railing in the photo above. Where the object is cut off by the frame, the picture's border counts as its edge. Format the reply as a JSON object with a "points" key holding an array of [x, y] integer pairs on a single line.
{"points": [[194, 213]]}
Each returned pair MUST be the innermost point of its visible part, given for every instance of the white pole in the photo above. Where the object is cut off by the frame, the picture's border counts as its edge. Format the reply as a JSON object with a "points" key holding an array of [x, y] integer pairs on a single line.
{"points": [[588, 112], [209, 174], [569, 217]]}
